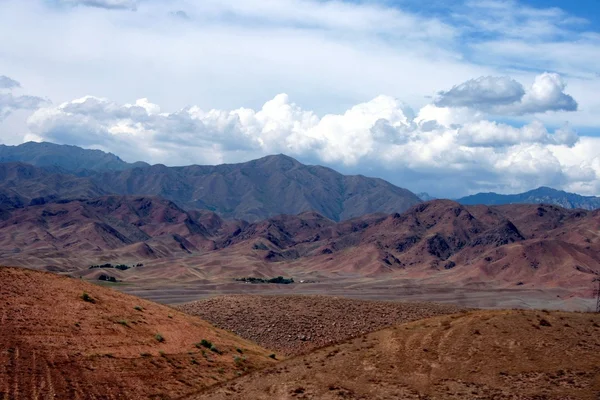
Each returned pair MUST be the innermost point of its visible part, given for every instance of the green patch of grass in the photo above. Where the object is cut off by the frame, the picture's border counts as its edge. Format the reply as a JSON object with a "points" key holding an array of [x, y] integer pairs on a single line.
{"points": [[86, 297], [159, 338]]}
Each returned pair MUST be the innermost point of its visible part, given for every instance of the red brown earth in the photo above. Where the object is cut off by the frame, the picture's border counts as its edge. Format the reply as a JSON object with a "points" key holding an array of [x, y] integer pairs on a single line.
{"points": [[292, 325], [437, 245], [55, 345], [517, 355]]}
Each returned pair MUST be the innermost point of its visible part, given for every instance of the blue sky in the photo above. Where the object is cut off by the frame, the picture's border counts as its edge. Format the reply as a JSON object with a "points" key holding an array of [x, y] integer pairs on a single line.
{"points": [[450, 97]]}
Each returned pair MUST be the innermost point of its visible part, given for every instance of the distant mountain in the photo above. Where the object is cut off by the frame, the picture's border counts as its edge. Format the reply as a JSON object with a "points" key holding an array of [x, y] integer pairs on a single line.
{"points": [[251, 191], [262, 188], [23, 184], [69, 158], [425, 196], [540, 195]]}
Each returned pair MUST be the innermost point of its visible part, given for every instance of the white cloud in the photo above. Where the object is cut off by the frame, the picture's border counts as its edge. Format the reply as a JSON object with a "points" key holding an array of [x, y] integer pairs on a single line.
{"points": [[382, 134], [505, 96], [328, 56]]}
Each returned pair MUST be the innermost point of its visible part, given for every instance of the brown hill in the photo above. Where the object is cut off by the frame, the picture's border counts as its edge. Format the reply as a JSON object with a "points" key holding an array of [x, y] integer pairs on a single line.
{"points": [[474, 355], [55, 344]]}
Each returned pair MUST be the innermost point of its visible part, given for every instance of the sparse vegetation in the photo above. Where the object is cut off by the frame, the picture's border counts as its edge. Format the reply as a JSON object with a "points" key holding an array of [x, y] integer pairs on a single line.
{"points": [[204, 343], [279, 280], [86, 297], [159, 338], [238, 360], [107, 278], [121, 267]]}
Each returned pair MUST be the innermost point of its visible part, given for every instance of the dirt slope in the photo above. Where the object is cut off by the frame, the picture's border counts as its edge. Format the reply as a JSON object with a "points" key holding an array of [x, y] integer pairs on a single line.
{"points": [[55, 345], [474, 355], [292, 325]]}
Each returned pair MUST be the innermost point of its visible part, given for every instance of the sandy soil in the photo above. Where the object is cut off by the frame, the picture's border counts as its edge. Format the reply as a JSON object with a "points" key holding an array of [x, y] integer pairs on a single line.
{"points": [[472, 355]]}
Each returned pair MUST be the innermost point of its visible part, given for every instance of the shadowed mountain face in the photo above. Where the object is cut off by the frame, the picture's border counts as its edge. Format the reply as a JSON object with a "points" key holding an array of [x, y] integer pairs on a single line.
{"points": [[251, 191], [262, 188], [540, 195]]}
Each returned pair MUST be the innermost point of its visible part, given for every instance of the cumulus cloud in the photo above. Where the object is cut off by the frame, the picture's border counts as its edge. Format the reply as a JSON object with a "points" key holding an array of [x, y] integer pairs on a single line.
{"points": [[10, 103], [383, 134], [503, 95], [107, 4]]}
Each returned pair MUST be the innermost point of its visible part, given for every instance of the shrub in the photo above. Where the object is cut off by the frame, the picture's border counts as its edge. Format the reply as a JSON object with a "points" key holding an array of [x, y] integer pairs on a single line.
{"points": [[138, 308], [123, 322], [145, 354], [273, 356], [239, 350], [204, 343], [159, 338], [214, 349], [88, 298]]}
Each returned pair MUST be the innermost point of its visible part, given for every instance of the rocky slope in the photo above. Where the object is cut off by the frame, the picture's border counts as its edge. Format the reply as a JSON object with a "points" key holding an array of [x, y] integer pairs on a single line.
{"points": [[293, 325]]}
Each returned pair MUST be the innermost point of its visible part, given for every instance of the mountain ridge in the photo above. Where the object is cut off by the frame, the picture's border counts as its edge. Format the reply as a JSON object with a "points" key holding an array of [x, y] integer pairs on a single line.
{"points": [[253, 190], [543, 194]]}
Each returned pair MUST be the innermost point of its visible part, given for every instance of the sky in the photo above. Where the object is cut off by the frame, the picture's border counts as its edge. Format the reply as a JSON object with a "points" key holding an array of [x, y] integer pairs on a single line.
{"points": [[453, 97]]}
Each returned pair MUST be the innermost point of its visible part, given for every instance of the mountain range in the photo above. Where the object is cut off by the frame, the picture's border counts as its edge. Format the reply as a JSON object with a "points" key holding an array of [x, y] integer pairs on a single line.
{"points": [[537, 196], [258, 189], [441, 241]]}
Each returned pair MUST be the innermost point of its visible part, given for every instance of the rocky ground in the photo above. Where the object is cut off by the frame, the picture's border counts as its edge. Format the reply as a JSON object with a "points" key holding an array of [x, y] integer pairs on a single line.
{"points": [[292, 325]]}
